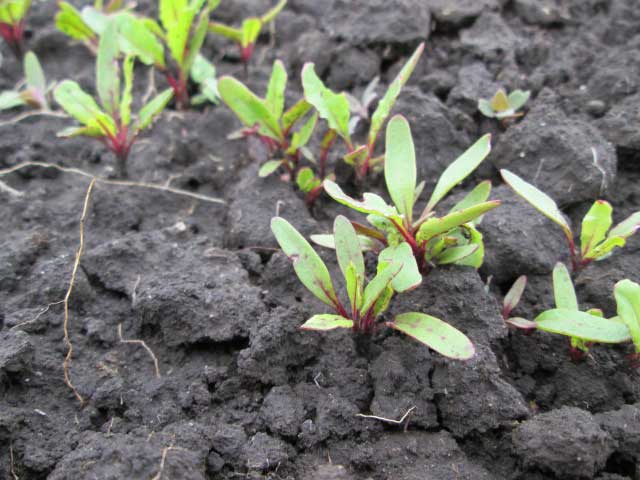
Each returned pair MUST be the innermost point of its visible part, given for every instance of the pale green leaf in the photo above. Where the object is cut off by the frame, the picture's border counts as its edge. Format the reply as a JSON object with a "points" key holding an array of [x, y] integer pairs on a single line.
{"points": [[250, 30], [518, 98], [485, 108], [269, 167], [627, 294], [391, 95], [563, 291], [82, 106], [301, 137], [138, 39], [326, 321], [69, 21], [151, 110], [274, 98], [409, 276], [107, 71], [476, 258], [595, 225], [348, 249], [328, 241], [309, 267], [197, 39], [376, 287], [513, 296], [11, 99], [500, 101], [478, 195], [307, 180], [34, 74], [435, 334], [602, 251], [295, 113], [271, 14], [248, 107], [590, 328], [70, 132], [460, 169], [371, 203], [538, 199], [435, 226], [627, 227], [400, 166], [226, 31], [127, 96], [455, 254]]}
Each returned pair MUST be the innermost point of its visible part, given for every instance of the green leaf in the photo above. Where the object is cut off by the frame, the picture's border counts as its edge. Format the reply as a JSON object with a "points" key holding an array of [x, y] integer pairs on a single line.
{"points": [[538, 200], [326, 321], [356, 157], [603, 250], [34, 74], [69, 21], [485, 108], [513, 296], [500, 101], [436, 226], [301, 137], [107, 72], [309, 267], [521, 323], [271, 14], [82, 107], [178, 30], [476, 196], [476, 258], [204, 74], [127, 97], [391, 95], [269, 167], [354, 284], [371, 203], [589, 328], [435, 334], [275, 91], [250, 30], [70, 132], [377, 287], [306, 180], [328, 241], [460, 169], [197, 39], [348, 249], [518, 98], [627, 294], [332, 107], [151, 110], [295, 113], [234, 34], [138, 39], [96, 20], [563, 291], [400, 166], [249, 108], [383, 301], [455, 254], [409, 276], [11, 99], [595, 225], [627, 227]]}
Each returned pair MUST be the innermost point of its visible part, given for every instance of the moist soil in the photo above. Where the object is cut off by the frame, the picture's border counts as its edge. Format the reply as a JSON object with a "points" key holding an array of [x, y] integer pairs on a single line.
{"points": [[242, 392]]}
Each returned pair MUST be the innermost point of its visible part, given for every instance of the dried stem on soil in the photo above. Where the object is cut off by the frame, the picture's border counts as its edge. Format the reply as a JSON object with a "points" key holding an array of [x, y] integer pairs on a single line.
{"points": [[118, 183], [143, 345], [390, 420], [13, 470], [37, 113], [11, 191], [163, 459], [76, 264]]}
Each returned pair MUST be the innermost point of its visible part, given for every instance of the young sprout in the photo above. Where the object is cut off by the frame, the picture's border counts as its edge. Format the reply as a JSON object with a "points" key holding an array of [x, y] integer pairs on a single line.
{"points": [[267, 119], [583, 328], [503, 106], [33, 92], [397, 272], [359, 107], [111, 122], [627, 294], [247, 35], [13, 15], [510, 302], [334, 108], [596, 240], [181, 33], [452, 238]]}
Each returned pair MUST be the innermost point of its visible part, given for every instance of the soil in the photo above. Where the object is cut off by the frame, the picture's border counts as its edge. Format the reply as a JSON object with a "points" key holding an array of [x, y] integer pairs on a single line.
{"points": [[242, 392]]}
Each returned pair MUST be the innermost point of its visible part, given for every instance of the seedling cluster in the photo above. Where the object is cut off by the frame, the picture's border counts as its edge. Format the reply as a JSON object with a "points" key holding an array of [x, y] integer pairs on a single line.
{"points": [[406, 245]]}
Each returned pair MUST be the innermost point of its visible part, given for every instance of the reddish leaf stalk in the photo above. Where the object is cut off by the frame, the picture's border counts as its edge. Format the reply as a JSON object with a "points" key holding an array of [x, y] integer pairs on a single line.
{"points": [[13, 34], [324, 153], [179, 86]]}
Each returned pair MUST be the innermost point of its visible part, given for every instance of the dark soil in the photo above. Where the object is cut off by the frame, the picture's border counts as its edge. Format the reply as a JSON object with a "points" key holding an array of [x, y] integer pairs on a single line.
{"points": [[243, 393]]}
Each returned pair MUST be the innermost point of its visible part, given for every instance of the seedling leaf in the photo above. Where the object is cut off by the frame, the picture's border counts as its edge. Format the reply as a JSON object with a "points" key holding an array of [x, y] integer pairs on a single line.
{"points": [[595, 225], [269, 167], [456, 254], [434, 333], [518, 98], [371, 203], [476, 196], [35, 77], [309, 267], [627, 294], [82, 106], [348, 249], [583, 326], [295, 113], [627, 227], [460, 169], [138, 39], [127, 97], [326, 321], [563, 291], [400, 166], [436, 226], [151, 110], [513, 296], [275, 91], [107, 71], [273, 12], [377, 286], [409, 276]]}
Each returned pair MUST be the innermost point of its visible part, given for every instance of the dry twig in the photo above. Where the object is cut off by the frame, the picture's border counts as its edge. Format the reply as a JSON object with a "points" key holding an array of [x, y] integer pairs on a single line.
{"points": [[143, 345], [390, 420]]}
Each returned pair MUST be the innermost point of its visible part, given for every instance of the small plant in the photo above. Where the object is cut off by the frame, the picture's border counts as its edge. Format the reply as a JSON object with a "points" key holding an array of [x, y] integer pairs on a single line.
{"points": [[503, 106], [360, 107], [452, 238], [397, 272], [596, 240], [182, 30], [627, 294], [13, 14], [247, 35], [511, 301], [267, 119], [33, 92], [334, 108], [111, 124]]}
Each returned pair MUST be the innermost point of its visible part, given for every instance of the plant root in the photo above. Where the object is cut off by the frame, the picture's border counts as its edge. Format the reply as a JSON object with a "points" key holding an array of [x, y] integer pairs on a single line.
{"points": [[163, 459], [117, 183], [11, 191], [76, 264], [403, 421], [143, 345]]}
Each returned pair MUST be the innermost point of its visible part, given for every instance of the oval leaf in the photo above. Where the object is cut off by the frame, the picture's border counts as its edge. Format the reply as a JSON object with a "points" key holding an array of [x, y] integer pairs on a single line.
{"points": [[326, 321], [563, 291], [583, 326], [595, 225], [371, 203], [400, 166], [627, 295]]}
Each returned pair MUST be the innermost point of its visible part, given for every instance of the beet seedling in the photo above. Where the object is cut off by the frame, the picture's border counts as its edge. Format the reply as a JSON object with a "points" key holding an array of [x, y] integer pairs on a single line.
{"points": [[33, 92], [502, 106], [13, 16], [452, 238], [596, 240], [111, 124], [334, 108], [397, 272], [266, 119], [510, 302], [247, 35], [627, 294]]}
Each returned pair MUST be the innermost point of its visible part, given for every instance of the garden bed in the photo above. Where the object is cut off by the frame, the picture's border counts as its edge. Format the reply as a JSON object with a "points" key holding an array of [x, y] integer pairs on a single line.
{"points": [[241, 391]]}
